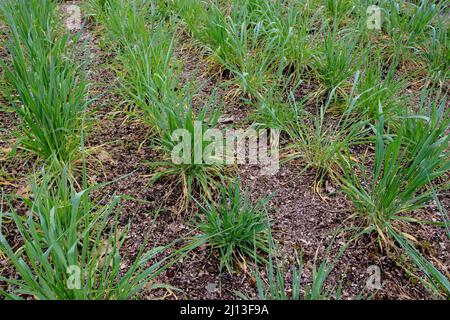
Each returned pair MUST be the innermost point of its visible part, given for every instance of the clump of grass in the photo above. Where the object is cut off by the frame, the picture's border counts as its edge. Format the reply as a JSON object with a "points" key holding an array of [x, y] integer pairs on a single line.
{"points": [[430, 117], [143, 44], [421, 17], [404, 165], [298, 34], [235, 41], [125, 21], [278, 283], [273, 110], [147, 72], [337, 10], [338, 60], [180, 137], [48, 83], [398, 185], [149, 81], [434, 280], [407, 25], [233, 227], [318, 143], [292, 22], [72, 248], [277, 288], [435, 50], [374, 87]]}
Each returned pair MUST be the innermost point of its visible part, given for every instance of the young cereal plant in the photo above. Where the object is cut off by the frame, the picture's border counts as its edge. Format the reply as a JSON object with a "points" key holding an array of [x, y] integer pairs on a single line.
{"points": [[435, 51], [404, 167], [235, 42], [292, 23], [434, 280], [375, 88], [125, 21], [277, 287], [256, 60], [298, 35], [430, 117], [146, 72], [233, 227], [422, 17], [272, 110], [318, 143], [144, 45], [180, 138], [407, 25], [72, 248], [338, 10], [337, 61], [48, 83]]}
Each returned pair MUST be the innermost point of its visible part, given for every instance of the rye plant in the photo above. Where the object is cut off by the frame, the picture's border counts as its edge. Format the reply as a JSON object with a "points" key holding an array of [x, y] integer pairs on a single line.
{"points": [[147, 72], [407, 24], [423, 14], [375, 87], [180, 138], [337, 10], [235, 42], [72, 248], [435, 50], [318, 141], [337, 61], [233, 227], [49, 86], [409, 171], [431, 116], [149, 81], [405, 164], [280, 283], [144, 47], [433, 279], [293, 23], [125, 21], [299, 33], [273, 110]]}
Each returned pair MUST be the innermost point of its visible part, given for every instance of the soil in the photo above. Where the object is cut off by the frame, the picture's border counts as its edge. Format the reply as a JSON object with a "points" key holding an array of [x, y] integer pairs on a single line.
{"points": [[120, 146]]}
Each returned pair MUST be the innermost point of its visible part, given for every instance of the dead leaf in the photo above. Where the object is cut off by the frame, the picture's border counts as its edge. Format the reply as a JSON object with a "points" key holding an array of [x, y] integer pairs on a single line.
{"points": [[24, 192], [6, 150]]}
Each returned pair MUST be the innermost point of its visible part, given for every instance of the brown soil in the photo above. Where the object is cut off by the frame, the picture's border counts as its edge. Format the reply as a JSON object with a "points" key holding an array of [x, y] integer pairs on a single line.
{"points": [[300, 218]]}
